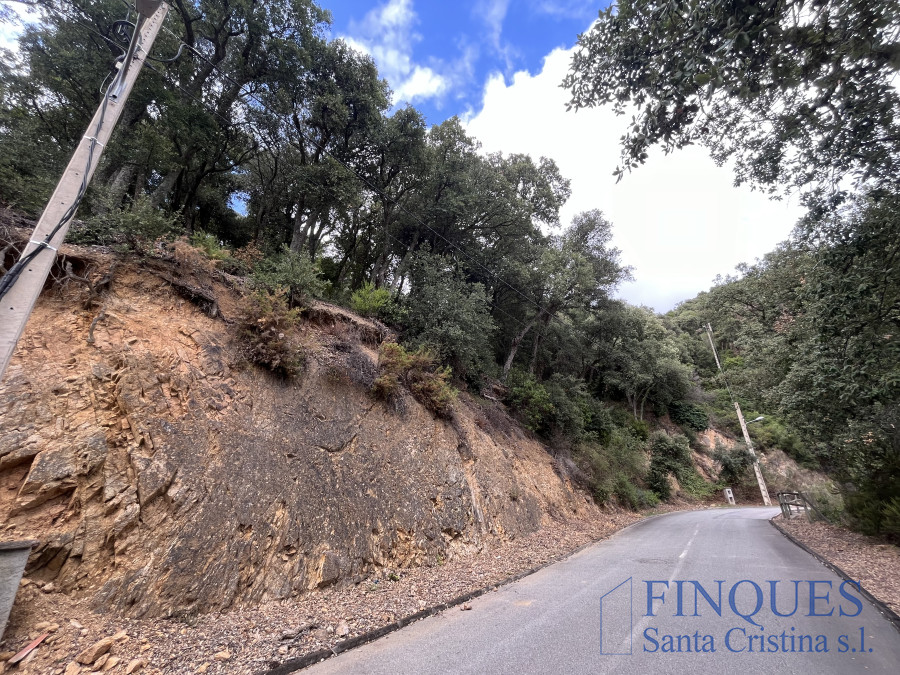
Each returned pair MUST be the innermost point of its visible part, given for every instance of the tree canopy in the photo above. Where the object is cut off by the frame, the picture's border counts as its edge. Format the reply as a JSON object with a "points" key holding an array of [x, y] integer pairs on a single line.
{"points": [[796, 92]]}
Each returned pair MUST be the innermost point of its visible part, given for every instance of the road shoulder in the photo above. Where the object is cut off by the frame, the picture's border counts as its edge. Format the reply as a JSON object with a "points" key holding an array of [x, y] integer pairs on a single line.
{"points": [[852, 556]]}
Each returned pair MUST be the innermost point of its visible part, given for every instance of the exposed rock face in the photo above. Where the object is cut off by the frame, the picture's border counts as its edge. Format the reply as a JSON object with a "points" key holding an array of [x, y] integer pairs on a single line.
{"points": [[161, 478]]}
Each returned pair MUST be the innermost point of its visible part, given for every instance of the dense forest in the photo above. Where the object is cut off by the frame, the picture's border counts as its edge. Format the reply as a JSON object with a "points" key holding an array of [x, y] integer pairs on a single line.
{"points": [[277, 152]]}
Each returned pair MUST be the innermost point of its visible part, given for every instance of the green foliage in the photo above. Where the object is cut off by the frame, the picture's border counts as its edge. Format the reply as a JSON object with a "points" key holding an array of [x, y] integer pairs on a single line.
{"points": [[371, 301], [693, 485], [791, 95], [134, 226], [617, 461], [734, 464], [671, 455], [829, 502], [449, 315], [890, 519], [689, 415], [266, 329], [530, 401], [419, 372], [632, 497], [639, 428], [210, 245], [639, 359], [290, 272]]}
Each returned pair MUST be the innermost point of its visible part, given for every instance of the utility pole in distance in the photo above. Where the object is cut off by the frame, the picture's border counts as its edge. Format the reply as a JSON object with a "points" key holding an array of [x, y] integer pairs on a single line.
{"points": [[764, 491], [30, 273]]}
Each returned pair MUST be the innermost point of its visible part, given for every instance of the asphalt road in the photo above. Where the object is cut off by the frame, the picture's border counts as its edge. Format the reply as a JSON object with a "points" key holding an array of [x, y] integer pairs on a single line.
{"points": [[589, 613]]}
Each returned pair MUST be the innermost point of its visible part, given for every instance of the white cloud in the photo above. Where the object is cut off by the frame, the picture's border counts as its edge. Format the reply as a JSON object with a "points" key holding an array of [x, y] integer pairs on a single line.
{"points": [[568, 9], [16, 16], [493, 12], [387, 34], [678, 219]]}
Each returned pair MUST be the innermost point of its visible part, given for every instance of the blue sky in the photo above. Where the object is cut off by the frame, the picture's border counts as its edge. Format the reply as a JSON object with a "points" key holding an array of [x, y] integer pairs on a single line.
{"points": [[439, 55], [678, 220], [498, 64]]}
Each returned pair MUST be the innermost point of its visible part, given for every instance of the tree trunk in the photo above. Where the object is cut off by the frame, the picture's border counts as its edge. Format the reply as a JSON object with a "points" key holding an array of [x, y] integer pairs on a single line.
{"points": [[301, 229], [119, 185], [159, 195], [515, 346], [400, 274]]}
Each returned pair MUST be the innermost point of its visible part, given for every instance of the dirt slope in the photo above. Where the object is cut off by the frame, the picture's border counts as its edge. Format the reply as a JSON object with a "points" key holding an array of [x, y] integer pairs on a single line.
{"points": [[164, 477]]}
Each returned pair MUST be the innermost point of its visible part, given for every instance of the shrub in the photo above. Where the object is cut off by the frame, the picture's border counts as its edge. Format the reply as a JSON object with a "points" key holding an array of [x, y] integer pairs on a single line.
{"points": [[371, 301], [658, 482], [292, 272], [134, 226], [419, 372], [734, 464], [449, 316], [623, 418], [693, 485], [266, 326], [249, 256], [599, 421], [210, 245], [671, 455], [689, 415], [890, 519], [600, 465], [829, 502], [530, 401], [632, 497]]}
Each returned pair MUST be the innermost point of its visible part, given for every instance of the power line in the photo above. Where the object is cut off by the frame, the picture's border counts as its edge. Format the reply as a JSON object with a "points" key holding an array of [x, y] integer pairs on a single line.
{"points": [[212, 111], [10, 278], [367, 183]]}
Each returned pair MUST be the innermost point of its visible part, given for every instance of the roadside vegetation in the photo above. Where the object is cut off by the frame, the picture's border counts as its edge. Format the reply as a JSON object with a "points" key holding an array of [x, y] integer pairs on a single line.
{"points": [[317, 188]]}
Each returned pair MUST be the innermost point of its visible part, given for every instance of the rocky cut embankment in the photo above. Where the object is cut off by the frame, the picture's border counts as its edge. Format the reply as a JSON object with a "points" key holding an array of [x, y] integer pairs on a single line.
{"points": [[163, 476]]}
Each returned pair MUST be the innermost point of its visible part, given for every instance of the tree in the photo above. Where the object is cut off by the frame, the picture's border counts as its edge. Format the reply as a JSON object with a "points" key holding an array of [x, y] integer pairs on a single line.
{"points": [[638, 358], [577, 270], [795, 92], [813, 330], [448, 315]]}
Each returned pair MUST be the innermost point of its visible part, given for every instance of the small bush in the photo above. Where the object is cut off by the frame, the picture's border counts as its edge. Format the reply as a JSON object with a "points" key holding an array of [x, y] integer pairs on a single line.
{"points": [[890, 519], [624, 419], [600, 465], [829, 502], [266, 326], [693, 485], [134, 226], [370, 301], [210, 245], [530, 401], [734, 464], [689, 416], [671, 455], [631, 496], [874, 515], [292, 272], [419, 372]]}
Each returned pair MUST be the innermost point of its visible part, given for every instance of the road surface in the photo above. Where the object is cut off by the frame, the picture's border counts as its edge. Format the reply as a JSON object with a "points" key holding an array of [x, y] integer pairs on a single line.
{"points": [[685, 592]]}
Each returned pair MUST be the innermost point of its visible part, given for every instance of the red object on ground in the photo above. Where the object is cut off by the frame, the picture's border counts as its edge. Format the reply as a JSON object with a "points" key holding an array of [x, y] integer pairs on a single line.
{"points": [[25, 652]]}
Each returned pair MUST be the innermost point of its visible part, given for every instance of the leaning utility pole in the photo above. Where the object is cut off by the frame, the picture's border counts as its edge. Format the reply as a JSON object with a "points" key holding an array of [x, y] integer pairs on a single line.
{"points": [[21, 286], [759, 477]]}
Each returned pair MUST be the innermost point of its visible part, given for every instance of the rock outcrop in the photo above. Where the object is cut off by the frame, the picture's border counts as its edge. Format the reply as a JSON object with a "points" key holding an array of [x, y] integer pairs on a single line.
{"points": [[163, 477]]}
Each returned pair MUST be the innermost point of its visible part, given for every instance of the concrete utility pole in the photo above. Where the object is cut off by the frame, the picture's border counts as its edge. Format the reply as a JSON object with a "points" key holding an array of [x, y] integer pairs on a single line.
{"points": [[19, 300], [759, 477]]}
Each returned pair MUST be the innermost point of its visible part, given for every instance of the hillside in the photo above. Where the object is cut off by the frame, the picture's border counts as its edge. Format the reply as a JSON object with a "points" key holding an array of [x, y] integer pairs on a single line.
{"points": [[163, 476], [166, 476]]}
